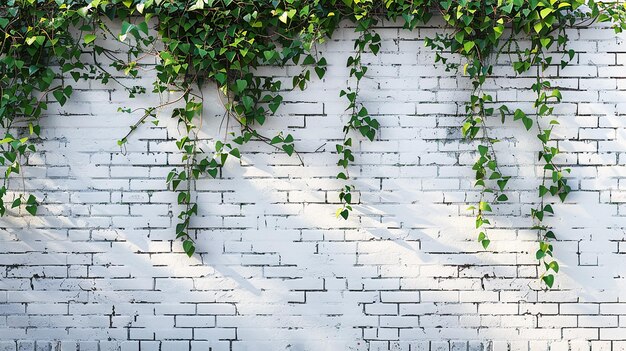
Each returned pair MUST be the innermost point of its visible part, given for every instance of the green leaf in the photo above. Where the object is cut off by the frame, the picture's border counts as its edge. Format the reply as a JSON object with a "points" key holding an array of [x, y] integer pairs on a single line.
{"points": [[269, 54], [482, 150], [460, 35], [540, 254], [31, 200], [344, 214], [275, 140], [189, 247], [143, 26], [548, 208], [126, 27], [545, 12], [288, 148], [247, 102], [528, 123], [549, 280], [308, 60], [83, 11], [320, 71], [212, 172], [89, 38], [485, 243], [554, 266], [283, 17], [241, 85], [235, 152], [220, 78], [484, 206], [32, 209], [60, 96]]}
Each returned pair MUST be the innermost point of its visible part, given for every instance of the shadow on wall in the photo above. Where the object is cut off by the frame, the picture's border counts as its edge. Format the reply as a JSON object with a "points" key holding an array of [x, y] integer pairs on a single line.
{"points": [[274, 269]]}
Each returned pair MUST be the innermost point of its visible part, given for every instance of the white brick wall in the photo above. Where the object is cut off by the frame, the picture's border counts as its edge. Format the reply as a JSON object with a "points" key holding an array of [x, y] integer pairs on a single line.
{"points": [[275, 270]]}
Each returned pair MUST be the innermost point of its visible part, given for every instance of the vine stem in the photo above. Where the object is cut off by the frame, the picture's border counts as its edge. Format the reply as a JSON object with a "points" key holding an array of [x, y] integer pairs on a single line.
{"points": [[149, 111], [249, 129]]}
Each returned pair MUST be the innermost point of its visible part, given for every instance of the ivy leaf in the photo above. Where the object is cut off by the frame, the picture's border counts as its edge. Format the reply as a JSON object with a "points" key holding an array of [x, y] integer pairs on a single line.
{"points": [[548, 208], [482, 150], [288, 148], [482, 236], [241, 85], [344, 214], [199, 5], [247, 102], [545, 12], [275, 140], [375, 48], [554, 266], [528, 123], [320, 71], [143, 26], [32, 209], [189, 247], [549, 280], [220, 78], [31, 200], [485, 243], [275, 103], [540, 254], [235, 152], [83, 11], [89, 38], [484, 206], [212, 172], [269, 55], [60, 96], [283, 17]]}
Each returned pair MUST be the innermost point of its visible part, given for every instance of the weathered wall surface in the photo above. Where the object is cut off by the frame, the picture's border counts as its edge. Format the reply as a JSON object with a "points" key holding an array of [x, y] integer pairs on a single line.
{"points": [[275, 270]]}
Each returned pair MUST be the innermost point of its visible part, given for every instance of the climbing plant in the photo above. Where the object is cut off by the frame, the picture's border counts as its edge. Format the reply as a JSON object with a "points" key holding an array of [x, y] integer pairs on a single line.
{"points": [[44, 46]]}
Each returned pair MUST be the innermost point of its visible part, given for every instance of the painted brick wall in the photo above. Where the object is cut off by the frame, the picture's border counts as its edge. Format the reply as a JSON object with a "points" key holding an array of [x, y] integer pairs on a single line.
{"points": [[275, 270]]}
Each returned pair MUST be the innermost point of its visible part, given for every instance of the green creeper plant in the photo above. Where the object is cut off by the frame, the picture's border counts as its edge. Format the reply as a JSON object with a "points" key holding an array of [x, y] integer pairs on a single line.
{"points": [[226, 41]]}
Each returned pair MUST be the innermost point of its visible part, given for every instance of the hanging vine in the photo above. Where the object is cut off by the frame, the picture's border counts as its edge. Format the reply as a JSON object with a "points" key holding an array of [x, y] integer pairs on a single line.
{"points": [[225, 41]]}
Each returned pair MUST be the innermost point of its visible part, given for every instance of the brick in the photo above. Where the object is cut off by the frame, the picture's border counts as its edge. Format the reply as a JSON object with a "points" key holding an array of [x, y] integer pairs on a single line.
{"points": [[99, 269]]}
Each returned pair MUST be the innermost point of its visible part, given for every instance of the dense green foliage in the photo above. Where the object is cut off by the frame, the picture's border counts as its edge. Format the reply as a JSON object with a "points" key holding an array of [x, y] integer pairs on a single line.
{"points": [[225, 40]]}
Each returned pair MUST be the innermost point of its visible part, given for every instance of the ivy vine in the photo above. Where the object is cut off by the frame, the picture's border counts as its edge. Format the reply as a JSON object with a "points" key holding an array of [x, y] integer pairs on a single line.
{"points": [[225, 41]]}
